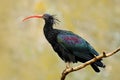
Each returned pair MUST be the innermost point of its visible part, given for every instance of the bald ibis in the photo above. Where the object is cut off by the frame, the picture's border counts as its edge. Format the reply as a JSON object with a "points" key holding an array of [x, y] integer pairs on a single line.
{"points": [[69, 46]]}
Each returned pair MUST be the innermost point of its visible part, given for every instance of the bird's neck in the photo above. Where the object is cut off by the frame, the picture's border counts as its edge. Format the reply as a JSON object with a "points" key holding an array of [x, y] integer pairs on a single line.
{"points": [[48, 31], [48, 27]]}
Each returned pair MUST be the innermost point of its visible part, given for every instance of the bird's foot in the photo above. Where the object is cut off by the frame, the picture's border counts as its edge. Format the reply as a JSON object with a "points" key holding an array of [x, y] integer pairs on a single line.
{"points": [[67, 65], [63, 72], [67, 68]]}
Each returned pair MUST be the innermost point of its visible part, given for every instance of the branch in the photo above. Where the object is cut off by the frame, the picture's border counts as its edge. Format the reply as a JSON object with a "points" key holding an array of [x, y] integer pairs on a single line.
{"points": [[104, 55]]}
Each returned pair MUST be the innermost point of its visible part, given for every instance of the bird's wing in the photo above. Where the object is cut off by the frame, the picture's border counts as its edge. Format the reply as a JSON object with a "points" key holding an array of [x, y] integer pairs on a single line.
{"points": [[70, 40], [76, 43], [92, 50]]}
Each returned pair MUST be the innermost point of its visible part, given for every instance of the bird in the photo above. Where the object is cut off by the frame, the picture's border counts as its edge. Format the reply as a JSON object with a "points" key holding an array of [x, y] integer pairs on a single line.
{"points": [[70, 47]]}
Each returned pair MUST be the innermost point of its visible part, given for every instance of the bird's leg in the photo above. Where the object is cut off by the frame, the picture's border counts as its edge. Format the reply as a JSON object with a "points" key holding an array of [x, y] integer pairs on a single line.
{"points": [[67, 65]]}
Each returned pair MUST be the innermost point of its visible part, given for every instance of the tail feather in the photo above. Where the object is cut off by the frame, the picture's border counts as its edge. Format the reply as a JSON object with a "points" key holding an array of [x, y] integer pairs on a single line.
{"points": [[99, 63], [94, 66]]}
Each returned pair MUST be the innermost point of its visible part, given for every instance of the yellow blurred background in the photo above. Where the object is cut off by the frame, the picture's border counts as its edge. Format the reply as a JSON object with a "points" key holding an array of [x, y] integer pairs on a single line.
{"points": [[26, 55]]}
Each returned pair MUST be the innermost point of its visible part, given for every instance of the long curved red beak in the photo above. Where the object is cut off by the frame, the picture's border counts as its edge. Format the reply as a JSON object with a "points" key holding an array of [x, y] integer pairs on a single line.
{"points": [[36, 16]]}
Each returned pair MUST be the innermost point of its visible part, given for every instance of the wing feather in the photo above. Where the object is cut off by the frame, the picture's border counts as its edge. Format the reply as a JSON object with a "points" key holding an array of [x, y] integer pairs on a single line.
{"points": [[79, 46]]}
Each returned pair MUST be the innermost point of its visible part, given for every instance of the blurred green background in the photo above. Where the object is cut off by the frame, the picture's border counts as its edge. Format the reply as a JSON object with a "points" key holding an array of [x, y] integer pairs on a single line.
{"points": [[26, 55]]}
